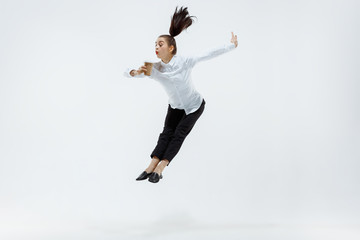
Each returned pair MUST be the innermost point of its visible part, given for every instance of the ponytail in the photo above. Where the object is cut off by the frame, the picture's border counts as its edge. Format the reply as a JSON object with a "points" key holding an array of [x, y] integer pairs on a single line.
{"points": [[180, 21]]}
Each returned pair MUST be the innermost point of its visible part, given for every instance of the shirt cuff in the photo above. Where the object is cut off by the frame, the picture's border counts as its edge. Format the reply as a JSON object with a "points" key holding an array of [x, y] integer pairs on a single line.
{"points": [[230, 46]]}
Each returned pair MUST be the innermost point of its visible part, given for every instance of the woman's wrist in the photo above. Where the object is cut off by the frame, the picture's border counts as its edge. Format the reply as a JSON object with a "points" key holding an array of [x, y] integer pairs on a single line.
{"points": [[133, 73]]}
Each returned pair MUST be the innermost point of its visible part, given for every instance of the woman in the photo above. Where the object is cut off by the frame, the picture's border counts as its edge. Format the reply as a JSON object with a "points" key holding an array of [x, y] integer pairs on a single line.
{"points": [[185, 104]]}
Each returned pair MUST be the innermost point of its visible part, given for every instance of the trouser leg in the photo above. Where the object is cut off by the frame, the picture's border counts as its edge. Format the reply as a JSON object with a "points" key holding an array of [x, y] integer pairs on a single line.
{"points": [[172, 119], [183, 128]]}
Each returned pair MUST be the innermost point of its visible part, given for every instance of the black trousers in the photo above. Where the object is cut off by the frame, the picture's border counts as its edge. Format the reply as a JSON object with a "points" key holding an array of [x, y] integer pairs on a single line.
{"points": [[177, 126]]}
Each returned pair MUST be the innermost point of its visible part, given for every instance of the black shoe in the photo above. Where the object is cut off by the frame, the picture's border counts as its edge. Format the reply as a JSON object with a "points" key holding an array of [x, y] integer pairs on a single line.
{"points": [[144, 175], [155, 177]]}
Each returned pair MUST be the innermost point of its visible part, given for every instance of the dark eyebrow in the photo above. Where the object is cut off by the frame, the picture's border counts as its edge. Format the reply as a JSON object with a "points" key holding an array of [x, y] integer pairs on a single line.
{"points": [[159, 42]]}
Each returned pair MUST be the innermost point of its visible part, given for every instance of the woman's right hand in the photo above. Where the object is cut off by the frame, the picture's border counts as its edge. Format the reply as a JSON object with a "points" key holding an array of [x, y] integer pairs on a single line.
{"points": [[141, 70]]}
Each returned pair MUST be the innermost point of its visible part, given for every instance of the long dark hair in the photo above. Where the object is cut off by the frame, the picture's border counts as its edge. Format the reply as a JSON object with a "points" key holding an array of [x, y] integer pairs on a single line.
{"points": [[180, 21]]}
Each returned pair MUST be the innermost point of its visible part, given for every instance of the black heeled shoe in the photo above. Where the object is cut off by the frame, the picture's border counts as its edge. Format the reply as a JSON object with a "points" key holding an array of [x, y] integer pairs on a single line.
{"points": [[155, 177], [144, 175]]}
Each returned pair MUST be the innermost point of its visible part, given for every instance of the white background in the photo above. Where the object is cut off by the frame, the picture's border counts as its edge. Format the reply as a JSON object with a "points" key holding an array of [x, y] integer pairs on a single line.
{"points": [[276, 149]]}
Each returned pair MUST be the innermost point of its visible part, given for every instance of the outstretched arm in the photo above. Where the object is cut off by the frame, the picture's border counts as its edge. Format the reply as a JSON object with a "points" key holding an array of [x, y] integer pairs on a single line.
{"points": [[135, 73], [139, 73], [214, 52]]}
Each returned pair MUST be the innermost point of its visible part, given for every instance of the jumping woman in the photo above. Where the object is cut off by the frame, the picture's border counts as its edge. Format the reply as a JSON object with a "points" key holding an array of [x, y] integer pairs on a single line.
{"points": [[185, 104]]}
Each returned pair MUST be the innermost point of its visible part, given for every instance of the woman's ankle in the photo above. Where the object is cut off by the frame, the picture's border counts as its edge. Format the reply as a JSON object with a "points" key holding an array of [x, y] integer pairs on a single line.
{"points": [[154, 162], [161, 166]]}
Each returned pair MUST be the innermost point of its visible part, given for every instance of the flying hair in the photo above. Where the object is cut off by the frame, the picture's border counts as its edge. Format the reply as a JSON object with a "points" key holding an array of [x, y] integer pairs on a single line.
{"points": [[180, 21]]}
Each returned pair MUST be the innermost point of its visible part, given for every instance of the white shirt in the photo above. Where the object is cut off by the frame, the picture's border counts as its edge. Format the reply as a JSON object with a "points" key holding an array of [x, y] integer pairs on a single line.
{"points": [[175, 77]]}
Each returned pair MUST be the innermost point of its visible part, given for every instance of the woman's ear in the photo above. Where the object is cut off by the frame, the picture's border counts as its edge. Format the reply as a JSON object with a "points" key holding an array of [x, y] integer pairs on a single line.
{"points": [[171, 48]]}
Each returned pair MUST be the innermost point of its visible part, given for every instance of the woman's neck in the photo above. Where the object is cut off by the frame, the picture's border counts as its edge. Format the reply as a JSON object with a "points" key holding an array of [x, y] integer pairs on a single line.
{"points": [[167, 59]]}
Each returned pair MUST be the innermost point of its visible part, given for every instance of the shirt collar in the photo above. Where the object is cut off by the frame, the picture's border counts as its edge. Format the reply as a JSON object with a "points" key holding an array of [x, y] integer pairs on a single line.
{"points": [[169, 64]]}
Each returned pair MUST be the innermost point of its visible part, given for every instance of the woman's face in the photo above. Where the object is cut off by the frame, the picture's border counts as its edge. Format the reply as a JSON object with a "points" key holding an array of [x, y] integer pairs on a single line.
{"points": [[162, 49]]}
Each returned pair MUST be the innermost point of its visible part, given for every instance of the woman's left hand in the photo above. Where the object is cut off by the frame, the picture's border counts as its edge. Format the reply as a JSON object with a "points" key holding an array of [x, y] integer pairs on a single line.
{"points": [[234, 39]]}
